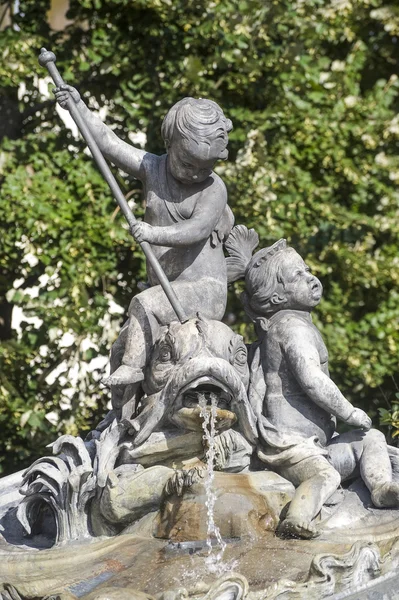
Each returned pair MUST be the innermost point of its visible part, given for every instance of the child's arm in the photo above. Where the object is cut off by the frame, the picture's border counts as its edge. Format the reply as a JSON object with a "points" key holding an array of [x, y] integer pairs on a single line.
{"points": [[123, 155], [304, 361], [208, 209]]}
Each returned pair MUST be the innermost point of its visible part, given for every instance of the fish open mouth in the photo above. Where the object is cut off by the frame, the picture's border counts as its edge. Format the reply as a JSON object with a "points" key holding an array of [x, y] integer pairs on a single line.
{"points": [[205, 387], [188, 412], [209, 375]]}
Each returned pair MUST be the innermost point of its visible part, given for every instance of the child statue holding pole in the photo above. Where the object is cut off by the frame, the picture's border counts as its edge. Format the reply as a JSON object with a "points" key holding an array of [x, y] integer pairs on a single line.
{"points": [[186, 219]]}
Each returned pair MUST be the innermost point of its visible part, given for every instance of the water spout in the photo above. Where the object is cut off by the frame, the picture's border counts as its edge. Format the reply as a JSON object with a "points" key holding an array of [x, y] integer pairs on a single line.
{"points": [[215, 543]]}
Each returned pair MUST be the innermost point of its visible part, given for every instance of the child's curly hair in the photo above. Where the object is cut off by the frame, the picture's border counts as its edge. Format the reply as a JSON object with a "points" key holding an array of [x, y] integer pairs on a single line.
{"points": [[262, 271], [200, 121]]}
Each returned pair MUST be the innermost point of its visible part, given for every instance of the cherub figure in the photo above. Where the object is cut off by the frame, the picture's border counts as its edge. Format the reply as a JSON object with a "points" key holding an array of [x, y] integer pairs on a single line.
{"points": [[186, 219], [295, 400]]}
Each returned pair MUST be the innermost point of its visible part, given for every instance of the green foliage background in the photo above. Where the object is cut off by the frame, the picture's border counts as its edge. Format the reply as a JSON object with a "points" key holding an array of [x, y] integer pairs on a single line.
{"points": [[312, 89]]}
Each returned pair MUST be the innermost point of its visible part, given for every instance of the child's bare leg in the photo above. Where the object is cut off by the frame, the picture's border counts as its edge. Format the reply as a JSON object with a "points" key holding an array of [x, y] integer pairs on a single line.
{"points": [[138, 344], [376, 470], [117, 351], [146, 310], [317, 481], [367, 451]]}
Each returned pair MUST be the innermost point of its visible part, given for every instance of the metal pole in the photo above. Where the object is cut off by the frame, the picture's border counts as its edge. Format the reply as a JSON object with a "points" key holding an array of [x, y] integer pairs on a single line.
{"points": [[47, 59]]}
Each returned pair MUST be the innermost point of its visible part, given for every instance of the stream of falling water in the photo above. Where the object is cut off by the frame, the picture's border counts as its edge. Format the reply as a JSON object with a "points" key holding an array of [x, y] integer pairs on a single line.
{"points": [[216, 550]]}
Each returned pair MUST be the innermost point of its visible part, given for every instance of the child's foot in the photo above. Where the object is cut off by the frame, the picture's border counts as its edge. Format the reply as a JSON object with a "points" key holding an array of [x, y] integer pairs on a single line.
{"points": [[386, 495], [124, 376], [296, 528]]}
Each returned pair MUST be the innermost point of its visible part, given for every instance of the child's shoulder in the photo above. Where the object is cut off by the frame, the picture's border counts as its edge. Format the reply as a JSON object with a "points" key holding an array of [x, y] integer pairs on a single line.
{"points": [[218, 181], [289, 324], [152, 162], [216, 188]]}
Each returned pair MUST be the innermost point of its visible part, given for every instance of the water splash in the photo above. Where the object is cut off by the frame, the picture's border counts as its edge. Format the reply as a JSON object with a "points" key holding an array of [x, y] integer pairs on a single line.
{"points": [[215, 543]]}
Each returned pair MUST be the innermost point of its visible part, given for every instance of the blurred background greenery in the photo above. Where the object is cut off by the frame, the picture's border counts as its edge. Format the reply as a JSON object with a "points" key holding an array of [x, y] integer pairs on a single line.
{"points": [[312, 89]]}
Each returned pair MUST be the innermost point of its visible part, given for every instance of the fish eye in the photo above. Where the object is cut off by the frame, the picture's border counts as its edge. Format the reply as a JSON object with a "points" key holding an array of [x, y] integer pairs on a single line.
{"points": [[240, 356], [165, 353]]}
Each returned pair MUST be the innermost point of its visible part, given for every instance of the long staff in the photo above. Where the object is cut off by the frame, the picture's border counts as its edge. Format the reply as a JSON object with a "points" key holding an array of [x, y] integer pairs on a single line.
{"points": [[47, 59]]}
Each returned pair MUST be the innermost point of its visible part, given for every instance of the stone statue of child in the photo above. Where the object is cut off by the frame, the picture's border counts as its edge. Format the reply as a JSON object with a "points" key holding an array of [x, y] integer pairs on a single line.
{"points": [[186, 218], [295, 400]]}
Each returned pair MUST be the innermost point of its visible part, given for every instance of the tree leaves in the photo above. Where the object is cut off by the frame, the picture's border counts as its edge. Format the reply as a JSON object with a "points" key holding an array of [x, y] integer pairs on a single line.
{"points": [[313, 93]]}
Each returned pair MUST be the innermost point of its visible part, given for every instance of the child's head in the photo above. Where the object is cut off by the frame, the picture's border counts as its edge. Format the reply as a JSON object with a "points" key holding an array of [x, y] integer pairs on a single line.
{"points": [[195, 133], [278, 278]]}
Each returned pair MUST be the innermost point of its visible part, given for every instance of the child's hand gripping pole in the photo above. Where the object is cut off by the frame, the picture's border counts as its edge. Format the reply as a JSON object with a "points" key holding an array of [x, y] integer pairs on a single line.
{"points": [[47, 59]]}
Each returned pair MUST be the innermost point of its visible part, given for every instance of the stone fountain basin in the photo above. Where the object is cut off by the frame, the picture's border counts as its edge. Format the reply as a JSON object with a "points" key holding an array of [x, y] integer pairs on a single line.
{"points": [[152, 565], [166, 551]]}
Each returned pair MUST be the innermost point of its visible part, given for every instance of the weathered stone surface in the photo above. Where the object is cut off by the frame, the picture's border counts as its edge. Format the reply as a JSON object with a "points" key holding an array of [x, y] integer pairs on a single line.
{"points": [[269, 568], [247, 504], [171, 448], [131, 493]]}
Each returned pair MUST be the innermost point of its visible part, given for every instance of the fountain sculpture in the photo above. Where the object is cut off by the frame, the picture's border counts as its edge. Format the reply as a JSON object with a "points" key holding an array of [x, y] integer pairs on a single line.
{"points": [[219, 469]]}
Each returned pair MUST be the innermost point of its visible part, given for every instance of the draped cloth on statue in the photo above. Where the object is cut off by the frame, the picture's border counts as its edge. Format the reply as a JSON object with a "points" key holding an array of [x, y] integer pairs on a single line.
{"points": [[161, 185], [278, 449]]}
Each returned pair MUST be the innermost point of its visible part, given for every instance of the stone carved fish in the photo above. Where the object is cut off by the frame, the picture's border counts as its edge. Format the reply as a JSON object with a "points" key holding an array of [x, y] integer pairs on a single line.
{"points": [[197, 357]]}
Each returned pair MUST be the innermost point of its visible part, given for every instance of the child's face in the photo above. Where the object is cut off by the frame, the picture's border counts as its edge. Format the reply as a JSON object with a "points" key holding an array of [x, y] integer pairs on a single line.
{"points": [[190, 162], [302, 290]]}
